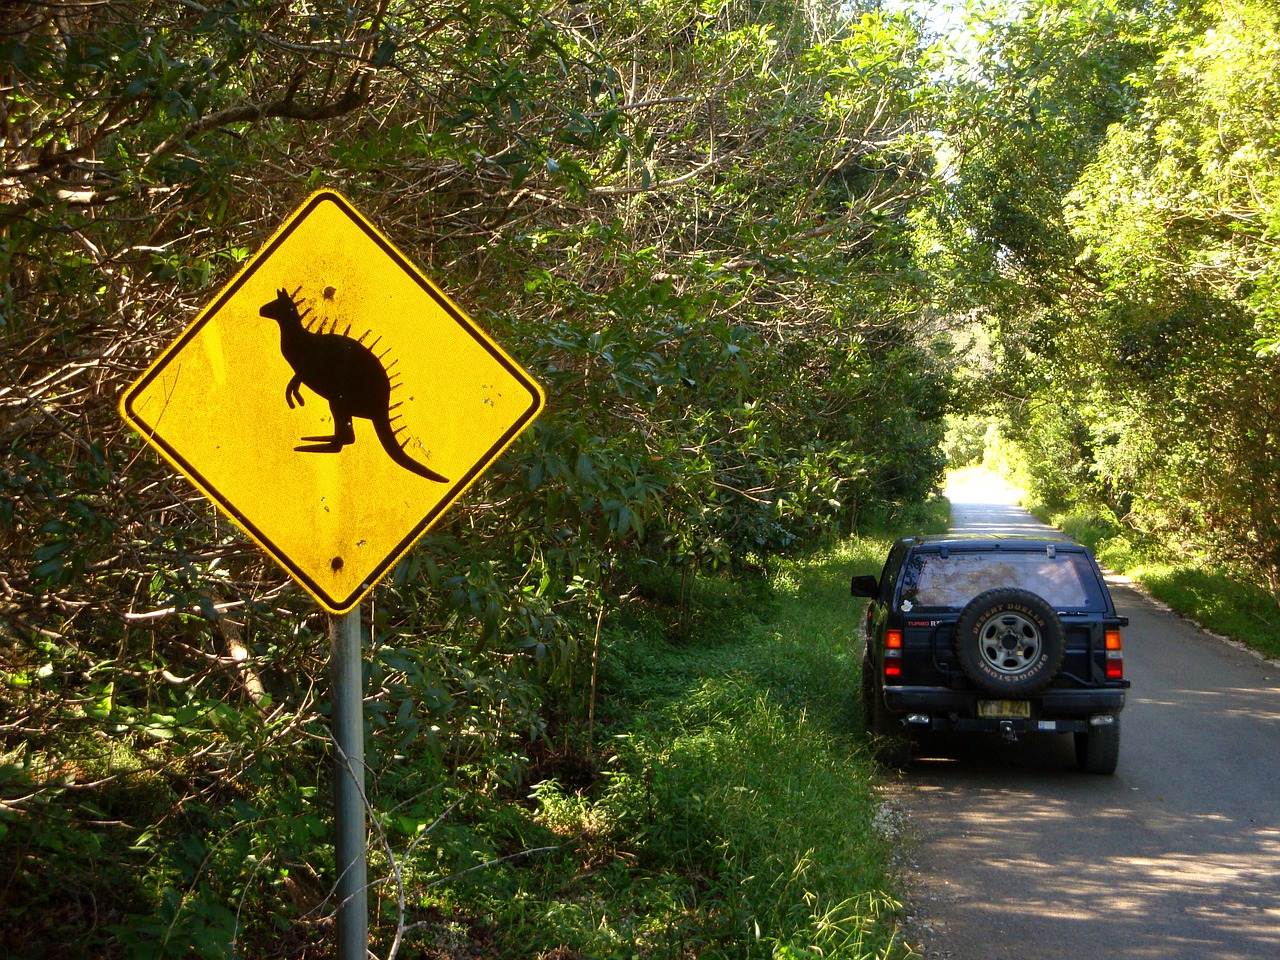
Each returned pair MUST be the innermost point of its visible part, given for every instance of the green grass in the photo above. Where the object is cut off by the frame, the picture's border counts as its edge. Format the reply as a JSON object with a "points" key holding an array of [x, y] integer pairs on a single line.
{"points": [[1216, 600], [735, 813]]}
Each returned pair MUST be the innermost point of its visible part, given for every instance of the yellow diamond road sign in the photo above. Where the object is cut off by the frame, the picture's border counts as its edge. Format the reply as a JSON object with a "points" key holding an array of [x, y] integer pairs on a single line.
{"points": [[332, 401]]}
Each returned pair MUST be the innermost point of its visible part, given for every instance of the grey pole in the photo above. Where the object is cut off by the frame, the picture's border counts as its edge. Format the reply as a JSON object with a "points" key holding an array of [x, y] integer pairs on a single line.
{"points": [[348, 738]]}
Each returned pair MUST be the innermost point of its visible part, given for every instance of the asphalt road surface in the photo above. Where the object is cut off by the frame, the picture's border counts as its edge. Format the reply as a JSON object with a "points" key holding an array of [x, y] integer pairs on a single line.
{"points": [[1014, 854]]}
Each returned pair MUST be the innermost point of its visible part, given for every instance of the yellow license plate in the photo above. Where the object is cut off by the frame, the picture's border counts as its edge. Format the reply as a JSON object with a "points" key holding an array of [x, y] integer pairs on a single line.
{"points": [[1005, 709]]}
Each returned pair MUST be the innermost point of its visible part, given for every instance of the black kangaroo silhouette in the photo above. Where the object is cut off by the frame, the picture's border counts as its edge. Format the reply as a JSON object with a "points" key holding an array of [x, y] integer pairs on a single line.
{"points": [[345, 372]]}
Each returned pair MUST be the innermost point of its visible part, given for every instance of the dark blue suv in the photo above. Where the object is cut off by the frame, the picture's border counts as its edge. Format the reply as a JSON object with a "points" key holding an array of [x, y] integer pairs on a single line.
{"points": [[1000, 634]]}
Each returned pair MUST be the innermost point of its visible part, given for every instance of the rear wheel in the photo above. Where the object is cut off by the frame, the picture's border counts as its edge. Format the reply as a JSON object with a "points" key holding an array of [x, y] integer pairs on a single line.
{"points": [[1098, 751], [868, 691], [891, 747]]}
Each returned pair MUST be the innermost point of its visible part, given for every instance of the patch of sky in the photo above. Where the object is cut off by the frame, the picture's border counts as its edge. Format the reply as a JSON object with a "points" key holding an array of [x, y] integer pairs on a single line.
{"points": [[956, 24]]}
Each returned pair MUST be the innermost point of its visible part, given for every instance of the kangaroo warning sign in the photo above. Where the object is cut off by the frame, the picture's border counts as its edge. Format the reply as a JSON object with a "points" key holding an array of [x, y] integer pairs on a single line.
{"points": [[332, 401]]}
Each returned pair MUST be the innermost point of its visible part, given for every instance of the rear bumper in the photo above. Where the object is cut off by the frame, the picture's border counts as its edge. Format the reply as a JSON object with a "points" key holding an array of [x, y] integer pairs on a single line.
{"points": [[1053, 710]]}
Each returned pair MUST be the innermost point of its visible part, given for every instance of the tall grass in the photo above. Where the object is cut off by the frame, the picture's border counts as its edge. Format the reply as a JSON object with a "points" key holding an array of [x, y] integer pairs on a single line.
{"points": [[734, 815]]}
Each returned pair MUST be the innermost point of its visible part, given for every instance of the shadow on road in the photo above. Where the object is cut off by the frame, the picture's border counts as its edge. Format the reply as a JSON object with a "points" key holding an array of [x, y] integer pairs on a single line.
{"points": [[1020, 856]]}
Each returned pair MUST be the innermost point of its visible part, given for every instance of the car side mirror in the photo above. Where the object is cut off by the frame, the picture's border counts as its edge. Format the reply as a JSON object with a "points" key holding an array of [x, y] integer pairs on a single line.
{"points": [[864, 587]]}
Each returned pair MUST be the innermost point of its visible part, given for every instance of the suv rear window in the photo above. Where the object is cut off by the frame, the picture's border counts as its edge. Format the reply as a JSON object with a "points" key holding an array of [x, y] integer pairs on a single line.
{"points": [[934, 580]]}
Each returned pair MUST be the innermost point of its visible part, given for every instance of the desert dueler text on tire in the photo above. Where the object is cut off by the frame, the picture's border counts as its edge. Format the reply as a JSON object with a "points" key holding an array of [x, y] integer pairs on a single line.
{"points": [[1009, 642]]}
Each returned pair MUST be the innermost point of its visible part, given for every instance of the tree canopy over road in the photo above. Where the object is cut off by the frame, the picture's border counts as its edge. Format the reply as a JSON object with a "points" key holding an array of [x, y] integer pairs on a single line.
{"points": [[757, 253]]}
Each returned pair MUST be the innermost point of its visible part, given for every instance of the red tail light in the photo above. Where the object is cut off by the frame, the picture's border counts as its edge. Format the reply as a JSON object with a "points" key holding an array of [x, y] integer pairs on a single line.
{"points": [[892, 653], [1115, 654]]}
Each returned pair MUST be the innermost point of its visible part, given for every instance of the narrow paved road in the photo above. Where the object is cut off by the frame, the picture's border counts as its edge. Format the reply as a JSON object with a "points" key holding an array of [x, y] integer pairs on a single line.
{"points": [[1016, 855]]}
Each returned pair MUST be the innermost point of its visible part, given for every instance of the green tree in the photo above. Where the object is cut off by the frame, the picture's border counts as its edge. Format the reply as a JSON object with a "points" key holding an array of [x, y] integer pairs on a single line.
{"points": [[1175, 212], [702, 248], [1114, 212]]}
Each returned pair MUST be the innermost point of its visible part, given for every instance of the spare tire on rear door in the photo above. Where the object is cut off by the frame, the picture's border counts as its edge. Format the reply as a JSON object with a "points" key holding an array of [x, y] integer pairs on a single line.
{"points": [[1010, 642]]}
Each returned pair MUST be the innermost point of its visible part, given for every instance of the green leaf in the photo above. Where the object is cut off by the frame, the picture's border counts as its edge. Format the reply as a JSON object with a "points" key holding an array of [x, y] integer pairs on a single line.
{"points": [[386, 52]]}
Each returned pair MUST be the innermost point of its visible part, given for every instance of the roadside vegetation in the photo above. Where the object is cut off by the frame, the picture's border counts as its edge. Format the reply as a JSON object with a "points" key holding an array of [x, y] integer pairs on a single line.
{"points": [[757, 253], [1127, 368], [701, 247], [724, 804], [731, 808]]}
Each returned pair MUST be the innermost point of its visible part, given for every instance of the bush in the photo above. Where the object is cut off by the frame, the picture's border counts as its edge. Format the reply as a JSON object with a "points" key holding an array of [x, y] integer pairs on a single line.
{"points": [[1088, 525]]}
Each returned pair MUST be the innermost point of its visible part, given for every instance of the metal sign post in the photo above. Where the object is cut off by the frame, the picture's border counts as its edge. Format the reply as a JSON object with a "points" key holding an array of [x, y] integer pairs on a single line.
{"points": [[348, 786]]}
